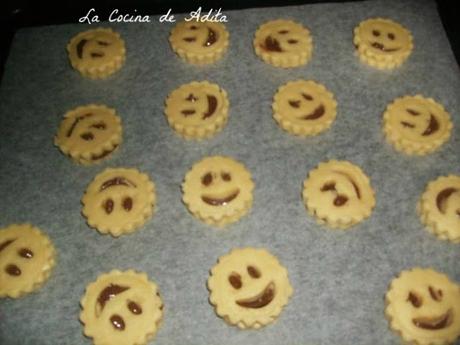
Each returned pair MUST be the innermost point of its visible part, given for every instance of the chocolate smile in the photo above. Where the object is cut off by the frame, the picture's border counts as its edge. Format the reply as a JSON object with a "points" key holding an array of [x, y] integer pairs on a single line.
{"points": [[432, 127], [272, 45], [434, 323], [381, 47], [442, 197], [212, 38], [216, 201], [259, 301], [212, 106], [315, 114]]}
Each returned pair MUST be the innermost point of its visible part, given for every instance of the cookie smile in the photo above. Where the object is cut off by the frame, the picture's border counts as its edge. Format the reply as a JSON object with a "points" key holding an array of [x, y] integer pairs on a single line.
{"points": [[381, 47], [212, 106], [261, 300], [434, 323], [220, 201], [315, 114]]}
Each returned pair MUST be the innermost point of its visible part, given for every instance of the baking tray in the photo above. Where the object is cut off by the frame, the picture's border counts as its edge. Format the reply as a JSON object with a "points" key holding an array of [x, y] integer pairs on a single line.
{"points": [[339, 277]]}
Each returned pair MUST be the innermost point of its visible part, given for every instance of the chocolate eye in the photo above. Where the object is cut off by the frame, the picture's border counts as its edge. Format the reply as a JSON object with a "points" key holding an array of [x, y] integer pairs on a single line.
{"points": [[412, 112], [376, 33], [307, 96], [194, 27], [127, 203], [88, 136], [391, 36], [253, 272], [235, 280], [99, 125], [415, 299], [292, 41], [134, 308], [26, 253], [189, 39], [294, 104], [435, 294], [206, 179], [108, 206], [283, 32], [226, 177]]}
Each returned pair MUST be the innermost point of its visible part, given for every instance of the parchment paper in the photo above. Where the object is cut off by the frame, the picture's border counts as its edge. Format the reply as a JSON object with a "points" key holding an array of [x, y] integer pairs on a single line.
{"points": [[339, 278]]}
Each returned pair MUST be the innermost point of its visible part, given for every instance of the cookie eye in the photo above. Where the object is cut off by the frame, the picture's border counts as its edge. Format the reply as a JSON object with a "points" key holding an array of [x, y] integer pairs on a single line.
{"points": [[99, 125], [194, 27], [88, 136], [412, 112], [435, 294], [26, 253], [253, 272], [235, 280], [134, 308], [415, 299], [206, 180], [189, 39], [127, 203], [391, 36], [226, 177], [283, 32], [108, 206], [376, 33], [292, 41], [307, 96], [294, 104]]}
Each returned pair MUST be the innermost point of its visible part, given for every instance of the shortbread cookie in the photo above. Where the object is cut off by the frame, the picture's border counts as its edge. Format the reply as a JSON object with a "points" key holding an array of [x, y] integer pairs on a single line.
{"points": [[382, 43], [89, 134], [416, 125], [423, 307], [439, 207], [249, 287], [121, 308], [197, 110], [283, 43], [97, 53], [199, 42], [304, 107], [218, 190], [27, 257], [119, 201], [338, 194]]}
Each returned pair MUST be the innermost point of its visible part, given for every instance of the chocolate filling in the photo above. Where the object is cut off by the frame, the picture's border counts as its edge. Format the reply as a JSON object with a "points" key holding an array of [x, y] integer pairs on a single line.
{"points": [[220, 201], [117, 322], [6, 244], [272, 45], [212, 106], [442, 197], [212, 38], [316, 114], [261, 300], [432, 127], [108, 293], [382, 47], [80, 47], [434, 323], [116, 181]]}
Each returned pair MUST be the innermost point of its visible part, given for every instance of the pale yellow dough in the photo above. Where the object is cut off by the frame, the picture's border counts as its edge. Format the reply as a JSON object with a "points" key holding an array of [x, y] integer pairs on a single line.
{"points": [[423, 307], [304, 107], [283, 43], [27, 257], [97, 53], [382, 43], [119, 201], [249, 287], [121, 308], [197, 110], [199, 42], [89, 134], [218, 190], [439, 208], [338, 194], [416, 125]]}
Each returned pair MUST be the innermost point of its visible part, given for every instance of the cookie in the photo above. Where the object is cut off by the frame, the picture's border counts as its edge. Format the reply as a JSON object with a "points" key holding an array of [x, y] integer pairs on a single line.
{"points": [[249, 288], [416, 125], [121, 308], [382, 43], [338, 194], [119, 201], [439, 207], [283, 43], [218, 190], [27, 258], [199, 42], [89, 134], [304, 107], [97, 53], [197, 110], [423, 307]]}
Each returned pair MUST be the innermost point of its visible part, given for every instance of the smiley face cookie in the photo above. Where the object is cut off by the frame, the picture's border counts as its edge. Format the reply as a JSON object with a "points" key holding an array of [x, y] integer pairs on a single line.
{"points": [[382, 43], [119, 201], [197, 110], [439, 208], [283, 43], [218, 190], [304, 107], [27, 257], [338, 194], [249, 287], [423, 307], [199, 42], [97, 53], [121, 308], [89, 134], [416, 125]]}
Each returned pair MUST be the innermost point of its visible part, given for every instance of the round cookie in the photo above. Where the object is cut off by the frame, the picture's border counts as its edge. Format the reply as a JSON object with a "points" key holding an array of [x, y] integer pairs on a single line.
{"points": [[304, 107], [89, 134], [423, 307], [249, 288], [416, 125], [27, 257], [199, 42], [439, 208], [338, 194], [97, 53], [382, 43], [197, 110], [121, 308], [218, 190], [283, 43], [119, 201]]}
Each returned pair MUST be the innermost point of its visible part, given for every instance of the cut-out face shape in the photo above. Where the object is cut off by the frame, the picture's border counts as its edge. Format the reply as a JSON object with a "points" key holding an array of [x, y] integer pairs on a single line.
{"points": [[249, 287], [304, 107], [118, 199], [26, 259], [121, 308], [424, 304]]}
